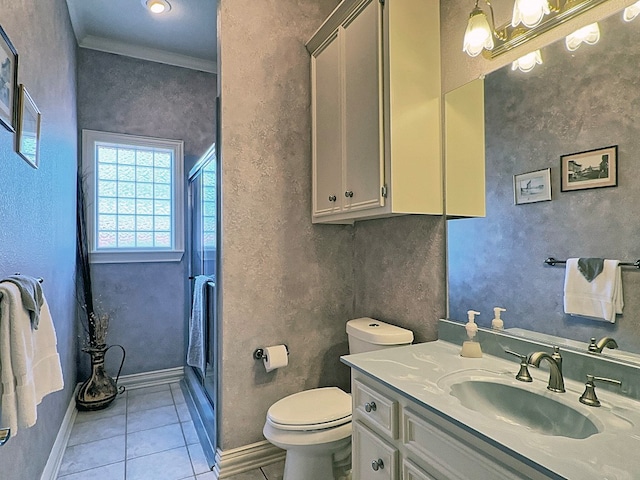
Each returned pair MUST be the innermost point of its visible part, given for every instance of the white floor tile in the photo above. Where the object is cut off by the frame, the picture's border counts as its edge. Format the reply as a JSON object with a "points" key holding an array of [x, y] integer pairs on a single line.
{"points": [[198, 460], [169, 465], [156, 417], [190, 434], [206, 476], [91, 455], [146, 390], [92, 430], [250, 475], [117, 407], [178, 396], [183, 412], [115, 471], [148, 401], [154, 440], [274, 471]]}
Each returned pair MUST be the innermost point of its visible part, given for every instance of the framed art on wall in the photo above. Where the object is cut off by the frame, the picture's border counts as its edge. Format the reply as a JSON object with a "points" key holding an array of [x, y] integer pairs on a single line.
{"points": [[8, 82], [28, 138], [532, 187], [591, 169]]}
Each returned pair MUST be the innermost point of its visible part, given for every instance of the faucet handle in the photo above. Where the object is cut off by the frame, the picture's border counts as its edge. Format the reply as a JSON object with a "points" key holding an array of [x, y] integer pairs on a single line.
{"points": [[523, 375], [589, 396]]}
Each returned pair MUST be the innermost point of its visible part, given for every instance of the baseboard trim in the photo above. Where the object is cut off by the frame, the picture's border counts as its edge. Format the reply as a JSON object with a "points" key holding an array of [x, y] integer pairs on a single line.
{"points": [[150, 379], [54, 461], [242, 459]]}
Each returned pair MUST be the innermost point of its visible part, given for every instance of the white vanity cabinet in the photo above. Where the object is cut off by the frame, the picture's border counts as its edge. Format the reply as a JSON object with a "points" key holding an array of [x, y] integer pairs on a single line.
{"points": [[396, 438], [376, 111]]}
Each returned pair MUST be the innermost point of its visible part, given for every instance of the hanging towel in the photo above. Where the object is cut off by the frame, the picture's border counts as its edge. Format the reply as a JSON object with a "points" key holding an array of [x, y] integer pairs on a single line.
{"points": [[31, 294], [600, 299], [196, 356], [29, 361]]}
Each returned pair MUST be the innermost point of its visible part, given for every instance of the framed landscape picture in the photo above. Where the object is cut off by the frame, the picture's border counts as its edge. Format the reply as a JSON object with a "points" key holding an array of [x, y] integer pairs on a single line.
{"points": [[590, 169], [532, 187], [8, 82], [28, 138]]}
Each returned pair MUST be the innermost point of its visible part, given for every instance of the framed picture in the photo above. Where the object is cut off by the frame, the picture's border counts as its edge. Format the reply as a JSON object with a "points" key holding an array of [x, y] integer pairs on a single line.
{"points": [[28, 138], [532, 187], [8, 82], [591, 169]]}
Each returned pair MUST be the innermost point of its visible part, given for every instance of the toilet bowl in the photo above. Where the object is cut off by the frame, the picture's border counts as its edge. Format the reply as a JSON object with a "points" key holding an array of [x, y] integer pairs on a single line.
{"points": [[314, 426]]}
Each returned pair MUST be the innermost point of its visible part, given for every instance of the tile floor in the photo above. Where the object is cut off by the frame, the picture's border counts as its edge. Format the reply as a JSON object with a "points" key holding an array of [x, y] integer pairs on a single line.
{"points": [[145, 434]]}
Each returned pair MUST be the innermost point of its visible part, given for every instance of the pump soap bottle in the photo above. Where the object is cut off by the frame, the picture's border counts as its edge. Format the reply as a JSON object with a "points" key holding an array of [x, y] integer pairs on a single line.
{"points": [[497, 323], [471, 348]]}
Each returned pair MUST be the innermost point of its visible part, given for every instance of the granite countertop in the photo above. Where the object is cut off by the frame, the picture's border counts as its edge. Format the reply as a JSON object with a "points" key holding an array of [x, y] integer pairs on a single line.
{"points": [[425, 373]]}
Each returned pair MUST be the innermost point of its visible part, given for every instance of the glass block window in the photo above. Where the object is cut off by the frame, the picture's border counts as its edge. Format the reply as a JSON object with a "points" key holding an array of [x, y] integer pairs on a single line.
{"points": [[209, 206], [136, 186]]}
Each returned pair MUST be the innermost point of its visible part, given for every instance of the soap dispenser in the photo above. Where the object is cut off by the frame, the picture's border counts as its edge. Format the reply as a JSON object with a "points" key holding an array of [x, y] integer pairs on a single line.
{"points": [[471, 348], [497, 323]]}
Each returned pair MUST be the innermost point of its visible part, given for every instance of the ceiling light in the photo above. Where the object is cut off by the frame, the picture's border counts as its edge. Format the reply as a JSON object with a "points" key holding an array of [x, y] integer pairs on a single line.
{"points": [[589, 35], [479, 33], [157, 6], [529, 12], [631, 12], [527, 62]]}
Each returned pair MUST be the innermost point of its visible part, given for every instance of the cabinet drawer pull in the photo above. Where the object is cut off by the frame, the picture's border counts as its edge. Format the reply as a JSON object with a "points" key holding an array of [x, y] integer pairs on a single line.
{"points": [[332, 198], [370, 407], [377, 465], [348, 194]]}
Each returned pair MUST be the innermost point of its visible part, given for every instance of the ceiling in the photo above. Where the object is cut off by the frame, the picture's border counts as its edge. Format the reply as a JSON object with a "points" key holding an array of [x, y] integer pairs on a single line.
{"points": [[185, 36]]}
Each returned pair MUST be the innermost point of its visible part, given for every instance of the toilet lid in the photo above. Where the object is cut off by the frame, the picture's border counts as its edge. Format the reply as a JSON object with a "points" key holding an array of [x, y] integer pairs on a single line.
{"points": [[312, 409]]}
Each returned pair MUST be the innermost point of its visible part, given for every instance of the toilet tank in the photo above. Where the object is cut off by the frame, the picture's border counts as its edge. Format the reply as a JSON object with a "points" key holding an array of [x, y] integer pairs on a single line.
{"points": [[367, 334]]}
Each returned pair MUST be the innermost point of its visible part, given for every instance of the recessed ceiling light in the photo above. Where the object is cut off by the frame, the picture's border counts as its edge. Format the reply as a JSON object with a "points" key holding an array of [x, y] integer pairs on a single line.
{"points": [[157, 6]]}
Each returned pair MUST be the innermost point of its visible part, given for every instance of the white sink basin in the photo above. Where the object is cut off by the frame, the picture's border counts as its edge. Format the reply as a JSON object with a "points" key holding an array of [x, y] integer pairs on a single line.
{"points": [[518, 406]]}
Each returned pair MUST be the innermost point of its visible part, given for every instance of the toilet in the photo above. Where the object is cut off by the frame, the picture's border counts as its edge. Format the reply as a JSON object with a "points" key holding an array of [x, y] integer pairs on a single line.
{"points": [[314, 426]]}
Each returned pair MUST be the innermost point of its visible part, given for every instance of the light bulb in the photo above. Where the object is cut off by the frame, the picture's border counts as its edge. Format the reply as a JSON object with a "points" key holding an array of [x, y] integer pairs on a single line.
{"points": [[529, 12], [527, 62], [478, 34], [589, 35], [157, 6], [631, 12]]}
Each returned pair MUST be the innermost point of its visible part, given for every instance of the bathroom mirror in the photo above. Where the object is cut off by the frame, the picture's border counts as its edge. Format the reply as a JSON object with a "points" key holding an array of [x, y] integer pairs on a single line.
{"points": [[573, 102]]}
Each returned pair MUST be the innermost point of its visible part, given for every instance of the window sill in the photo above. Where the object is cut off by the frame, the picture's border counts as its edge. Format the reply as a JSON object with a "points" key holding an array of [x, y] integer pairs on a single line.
{"points": [[136, 256]]}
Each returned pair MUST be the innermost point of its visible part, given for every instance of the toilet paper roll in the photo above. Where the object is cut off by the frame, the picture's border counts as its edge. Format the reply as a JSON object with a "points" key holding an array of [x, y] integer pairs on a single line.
{"points": [[275, 357]]}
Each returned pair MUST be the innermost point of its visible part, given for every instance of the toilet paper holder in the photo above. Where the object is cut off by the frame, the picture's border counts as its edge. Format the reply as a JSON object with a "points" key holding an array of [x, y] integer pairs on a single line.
{"points": [[260, 354]]}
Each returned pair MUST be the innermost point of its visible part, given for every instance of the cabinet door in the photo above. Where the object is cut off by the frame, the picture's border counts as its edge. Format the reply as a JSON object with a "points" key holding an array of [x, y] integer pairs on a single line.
{"points": [[410, 471], [363, 132], [328, 195], [373, 458]]}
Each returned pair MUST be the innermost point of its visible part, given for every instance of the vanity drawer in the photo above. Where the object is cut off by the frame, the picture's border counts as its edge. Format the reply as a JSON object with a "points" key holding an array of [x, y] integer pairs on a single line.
{"points": [[410, 471], [446, 457], [375, 409], [374, 459]]}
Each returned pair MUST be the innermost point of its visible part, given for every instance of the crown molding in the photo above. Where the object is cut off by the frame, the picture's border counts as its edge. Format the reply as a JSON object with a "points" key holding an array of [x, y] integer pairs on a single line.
{"points": [[145, 53]]}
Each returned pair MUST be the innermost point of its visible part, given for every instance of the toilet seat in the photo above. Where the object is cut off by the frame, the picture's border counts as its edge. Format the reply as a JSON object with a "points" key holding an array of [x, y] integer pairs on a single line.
{"points": [[316, 409]]}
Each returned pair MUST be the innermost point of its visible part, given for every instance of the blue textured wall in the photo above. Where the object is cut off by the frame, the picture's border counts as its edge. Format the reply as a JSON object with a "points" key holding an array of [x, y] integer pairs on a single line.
{"points": [[571, 103], [37, 207], [125, 95]]}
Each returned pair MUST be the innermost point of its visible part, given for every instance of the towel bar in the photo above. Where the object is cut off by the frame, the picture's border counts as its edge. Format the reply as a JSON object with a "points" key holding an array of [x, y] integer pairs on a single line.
{"points": [[552, 261]]}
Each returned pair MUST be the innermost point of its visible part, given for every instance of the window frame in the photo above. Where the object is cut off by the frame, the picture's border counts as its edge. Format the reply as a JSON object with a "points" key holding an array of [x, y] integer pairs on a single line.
{"points": [[90, 139]]}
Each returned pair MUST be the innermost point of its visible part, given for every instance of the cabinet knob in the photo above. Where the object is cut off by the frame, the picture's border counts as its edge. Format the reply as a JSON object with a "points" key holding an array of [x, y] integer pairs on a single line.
{"points": [[370, 407], [332, 198], [348, 194], [377, 465]]}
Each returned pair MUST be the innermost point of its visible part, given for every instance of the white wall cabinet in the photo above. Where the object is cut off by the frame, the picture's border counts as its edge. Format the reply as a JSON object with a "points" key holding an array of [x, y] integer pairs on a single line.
{"points": [[376, 111], [415, 443]]}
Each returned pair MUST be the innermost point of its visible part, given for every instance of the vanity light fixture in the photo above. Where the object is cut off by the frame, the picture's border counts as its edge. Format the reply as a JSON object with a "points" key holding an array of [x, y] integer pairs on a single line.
{"points": [[631, 12], [529, 12], [157, 6], [589, 34], [531, 18], [527, 62], [479, 34]]}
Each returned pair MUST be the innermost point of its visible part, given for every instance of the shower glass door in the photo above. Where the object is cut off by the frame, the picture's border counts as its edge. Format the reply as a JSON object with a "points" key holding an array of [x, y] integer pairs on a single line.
{"points": [[202, 382]]}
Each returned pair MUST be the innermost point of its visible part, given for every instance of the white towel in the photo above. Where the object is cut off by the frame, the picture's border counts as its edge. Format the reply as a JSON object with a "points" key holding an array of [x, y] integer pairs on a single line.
{"points": [[29, 361], [196, 353], [600, 299]]}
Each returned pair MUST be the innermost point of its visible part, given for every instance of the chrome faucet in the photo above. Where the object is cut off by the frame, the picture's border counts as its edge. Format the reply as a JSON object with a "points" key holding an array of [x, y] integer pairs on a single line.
{"points": [[597, 347], [556, 382]]}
